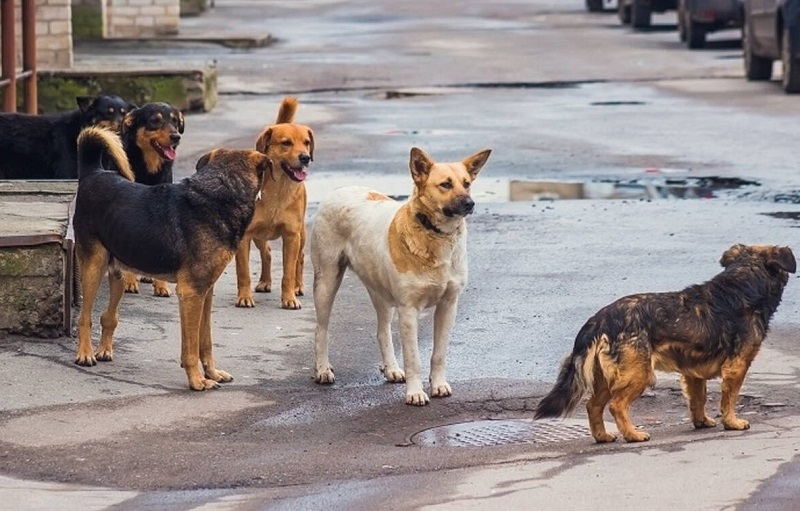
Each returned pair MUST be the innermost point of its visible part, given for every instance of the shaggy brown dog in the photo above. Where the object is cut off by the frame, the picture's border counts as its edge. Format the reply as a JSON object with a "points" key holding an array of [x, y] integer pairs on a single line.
{"points": [[705, 331], [282, 213], [185, 232]]}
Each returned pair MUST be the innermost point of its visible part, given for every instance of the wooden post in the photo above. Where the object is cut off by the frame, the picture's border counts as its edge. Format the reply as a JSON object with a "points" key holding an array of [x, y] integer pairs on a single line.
{"points": [[9, 55]]}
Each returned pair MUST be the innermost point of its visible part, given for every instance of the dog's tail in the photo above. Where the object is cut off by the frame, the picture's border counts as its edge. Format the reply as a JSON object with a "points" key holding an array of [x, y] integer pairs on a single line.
{"points": [[576, 375], [287, 110], [93, 144]]}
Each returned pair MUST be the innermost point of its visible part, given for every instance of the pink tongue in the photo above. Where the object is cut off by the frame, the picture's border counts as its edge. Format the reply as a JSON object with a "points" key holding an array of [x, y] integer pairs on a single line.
{"points": [[169, 152], [300, 174]]}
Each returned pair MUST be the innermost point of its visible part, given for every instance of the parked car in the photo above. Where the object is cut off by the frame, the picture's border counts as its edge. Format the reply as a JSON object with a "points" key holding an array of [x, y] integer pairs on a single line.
{"points": [[771, 31], [639, 12], [697, 18], [599, 5]]}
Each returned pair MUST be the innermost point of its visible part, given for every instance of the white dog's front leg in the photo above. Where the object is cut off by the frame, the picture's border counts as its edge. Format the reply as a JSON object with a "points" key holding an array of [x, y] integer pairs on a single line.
{"points": [[409, 320], [443, 320]]}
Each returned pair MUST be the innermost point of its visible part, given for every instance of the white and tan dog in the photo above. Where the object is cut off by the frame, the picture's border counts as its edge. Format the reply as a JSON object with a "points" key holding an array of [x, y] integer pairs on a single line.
{"points": [[410, 256]]}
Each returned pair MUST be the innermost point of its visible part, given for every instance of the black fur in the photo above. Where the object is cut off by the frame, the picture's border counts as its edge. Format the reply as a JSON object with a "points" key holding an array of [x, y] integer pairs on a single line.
{"points": [[152, 117], [44, 146]]}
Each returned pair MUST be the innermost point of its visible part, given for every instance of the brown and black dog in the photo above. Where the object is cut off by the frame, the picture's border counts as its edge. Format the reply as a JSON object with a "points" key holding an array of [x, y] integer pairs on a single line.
{"points": [[282, 213], [185, 232], [150, 136], [44, 146], [703, 332]]}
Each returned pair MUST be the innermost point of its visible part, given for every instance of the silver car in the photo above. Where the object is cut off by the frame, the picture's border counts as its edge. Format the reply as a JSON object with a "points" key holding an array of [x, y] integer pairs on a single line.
{"points": [[771, 31], [697, 18]]}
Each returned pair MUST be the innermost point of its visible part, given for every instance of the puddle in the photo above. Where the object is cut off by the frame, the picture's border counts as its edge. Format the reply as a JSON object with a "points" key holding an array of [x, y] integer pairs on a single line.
{"points": [[321, 185]]}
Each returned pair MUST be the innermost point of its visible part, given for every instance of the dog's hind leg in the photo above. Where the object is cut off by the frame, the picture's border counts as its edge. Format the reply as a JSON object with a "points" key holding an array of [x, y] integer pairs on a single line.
{"points": [[328, 276], [696, 394], [409, 324], [389, 366], [265, 280], [299, 288], [206, 355], [733, 373], [110, 317], [92, 262], [443, 320], [634, 374], [191, 305], [291, 251], [595, 405]]}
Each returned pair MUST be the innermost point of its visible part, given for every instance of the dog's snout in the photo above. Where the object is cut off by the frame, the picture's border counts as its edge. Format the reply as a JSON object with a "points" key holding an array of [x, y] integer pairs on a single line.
{"points": [[304, 158], [466, 204], [175, 137]]}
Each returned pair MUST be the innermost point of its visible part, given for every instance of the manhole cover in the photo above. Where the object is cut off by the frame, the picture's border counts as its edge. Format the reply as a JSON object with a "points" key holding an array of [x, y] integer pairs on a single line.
{"points": [[488, 433]]}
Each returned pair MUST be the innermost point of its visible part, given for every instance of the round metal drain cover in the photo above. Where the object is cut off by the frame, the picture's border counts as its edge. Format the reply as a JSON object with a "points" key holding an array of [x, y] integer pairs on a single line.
{"points": [[487, 433]]}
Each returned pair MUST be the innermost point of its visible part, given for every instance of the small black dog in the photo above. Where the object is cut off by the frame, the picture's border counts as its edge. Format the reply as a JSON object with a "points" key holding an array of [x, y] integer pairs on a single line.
{"points": [[705, 331], [44, 146], [150, 136]]}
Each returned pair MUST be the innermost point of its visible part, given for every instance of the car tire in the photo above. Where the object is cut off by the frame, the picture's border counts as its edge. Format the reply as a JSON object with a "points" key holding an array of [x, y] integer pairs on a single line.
{"points": [[682, 21], [640, 14], [695, 35], [756, 68], [594, 5], [791, 65], [624, 12]]}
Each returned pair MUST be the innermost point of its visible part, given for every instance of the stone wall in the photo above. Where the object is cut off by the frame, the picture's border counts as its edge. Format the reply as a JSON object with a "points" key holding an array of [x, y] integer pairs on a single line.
{"points": [[142, 18], [53, 33]]}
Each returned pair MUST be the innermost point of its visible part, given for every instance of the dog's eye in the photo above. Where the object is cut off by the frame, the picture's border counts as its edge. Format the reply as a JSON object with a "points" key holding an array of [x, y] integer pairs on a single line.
{"points": [[466, 184], [447, 185], [286, 143]]}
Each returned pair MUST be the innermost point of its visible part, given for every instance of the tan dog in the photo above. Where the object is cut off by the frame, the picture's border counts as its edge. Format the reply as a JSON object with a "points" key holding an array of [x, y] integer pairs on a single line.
{"points": [[410, 256], [282, 212]]}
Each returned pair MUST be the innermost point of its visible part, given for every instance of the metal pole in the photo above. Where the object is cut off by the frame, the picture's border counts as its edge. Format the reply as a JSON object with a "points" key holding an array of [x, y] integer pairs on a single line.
{"points": [[8, 55], [30, 85]]}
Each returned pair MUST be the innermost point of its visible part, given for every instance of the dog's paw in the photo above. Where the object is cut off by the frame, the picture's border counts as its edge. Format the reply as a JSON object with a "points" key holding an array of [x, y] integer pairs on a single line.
{"points": [[218, 375], [324, 375], [161, 290], [245, 301], [203, 384], [299, 291], [636, 436], [291, 303], [104, 355], [85, 359], [736, 424], [264, 287], [441, 389], [132, 287], [417, 398], [146, 280], [605, 437], [707, 422], [393, 374]]}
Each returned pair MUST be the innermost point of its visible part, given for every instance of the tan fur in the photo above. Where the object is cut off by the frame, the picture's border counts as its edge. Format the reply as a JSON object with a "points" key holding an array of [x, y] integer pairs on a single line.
{"points": [[115, 150], [281, 212], [409, 257]]}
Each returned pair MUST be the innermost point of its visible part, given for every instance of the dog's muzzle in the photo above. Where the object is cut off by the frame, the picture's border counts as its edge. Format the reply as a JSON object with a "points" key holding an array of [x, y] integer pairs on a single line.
{"points": [[462, 206]]}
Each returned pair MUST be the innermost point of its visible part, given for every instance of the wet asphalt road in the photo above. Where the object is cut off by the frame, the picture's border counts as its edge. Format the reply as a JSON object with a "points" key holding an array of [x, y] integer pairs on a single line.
{"points": [[558, 94]]}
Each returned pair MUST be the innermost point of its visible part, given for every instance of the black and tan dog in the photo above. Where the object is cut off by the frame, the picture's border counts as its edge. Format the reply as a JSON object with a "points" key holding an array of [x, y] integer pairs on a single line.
{"points": [[150, 136], [282, 213], [44, 146], [703, 332], [185, 232]]}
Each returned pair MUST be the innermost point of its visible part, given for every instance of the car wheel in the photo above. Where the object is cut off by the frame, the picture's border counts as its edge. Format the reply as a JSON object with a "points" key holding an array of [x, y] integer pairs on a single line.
{"points": [[756, 68], [594, 5], [695, 35], [640, 14], [624, 12], [791, 65], [682, 21]]}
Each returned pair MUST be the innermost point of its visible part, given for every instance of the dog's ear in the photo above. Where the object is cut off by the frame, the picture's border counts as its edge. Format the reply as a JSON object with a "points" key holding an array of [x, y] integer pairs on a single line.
{"points": [[132, 107], [181, 123], [203, 161], [129, 120], [311, 147], [732, 254], [262, 142], [783, 258], [475, 163], [420, 165], [85, 102], [262, 163]]}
